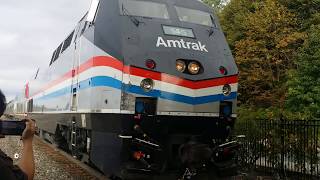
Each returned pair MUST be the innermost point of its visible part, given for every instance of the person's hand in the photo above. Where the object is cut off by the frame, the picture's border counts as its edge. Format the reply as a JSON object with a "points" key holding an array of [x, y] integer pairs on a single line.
{"points": [[29, 131]]}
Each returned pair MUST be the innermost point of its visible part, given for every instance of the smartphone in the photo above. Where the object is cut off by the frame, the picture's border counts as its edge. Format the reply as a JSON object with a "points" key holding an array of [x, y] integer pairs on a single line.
{"points": [[12, 127]]}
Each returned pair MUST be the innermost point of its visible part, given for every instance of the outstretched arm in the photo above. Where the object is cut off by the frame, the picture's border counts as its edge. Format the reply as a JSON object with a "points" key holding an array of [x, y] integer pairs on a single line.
{"points": [[26, 163]]}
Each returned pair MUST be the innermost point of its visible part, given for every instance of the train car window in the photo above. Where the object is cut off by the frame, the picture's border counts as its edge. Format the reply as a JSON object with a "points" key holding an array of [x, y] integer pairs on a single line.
{"points": [[37, 73], [194, 16], [67, 42], [57, 53], [143, 9], [52, 58]]}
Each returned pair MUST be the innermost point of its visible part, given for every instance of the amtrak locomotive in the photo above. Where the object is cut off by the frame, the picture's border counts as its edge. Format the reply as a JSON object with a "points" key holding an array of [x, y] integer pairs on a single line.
{"points": [[138, 87]]}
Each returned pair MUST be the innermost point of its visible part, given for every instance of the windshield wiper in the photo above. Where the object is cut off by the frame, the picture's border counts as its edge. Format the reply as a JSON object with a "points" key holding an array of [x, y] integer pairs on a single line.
{"points": [[211, 31], [213, 27], [134, 20]]}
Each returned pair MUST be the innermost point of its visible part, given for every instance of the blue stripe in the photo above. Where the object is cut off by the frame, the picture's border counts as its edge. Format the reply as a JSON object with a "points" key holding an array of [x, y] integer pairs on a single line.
{"points": [[179, 97], [101, 81], [106, 81], [60, 92]]}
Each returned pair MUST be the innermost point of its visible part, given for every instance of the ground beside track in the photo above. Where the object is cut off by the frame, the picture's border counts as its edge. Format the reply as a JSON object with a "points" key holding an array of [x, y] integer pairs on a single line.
{"points": [[50, 162]]}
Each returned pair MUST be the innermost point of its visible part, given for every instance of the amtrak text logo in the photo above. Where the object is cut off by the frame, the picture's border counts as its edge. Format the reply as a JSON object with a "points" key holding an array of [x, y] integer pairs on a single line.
{"points": [[181, 44]]}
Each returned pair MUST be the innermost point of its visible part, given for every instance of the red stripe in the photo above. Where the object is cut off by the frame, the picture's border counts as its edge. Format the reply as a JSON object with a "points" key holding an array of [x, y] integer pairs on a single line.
{"points": [[100, 61], [93, 62], [109, 61], [57, 81], [179, 81]]}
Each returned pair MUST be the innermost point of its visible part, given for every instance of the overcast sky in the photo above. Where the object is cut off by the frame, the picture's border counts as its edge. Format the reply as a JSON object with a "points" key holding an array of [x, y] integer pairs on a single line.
{"points": [[29, 32]]}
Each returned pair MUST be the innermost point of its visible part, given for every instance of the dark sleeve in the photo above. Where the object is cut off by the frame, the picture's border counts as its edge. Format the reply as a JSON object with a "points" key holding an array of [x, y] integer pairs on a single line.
{"points": [[8, 170]]}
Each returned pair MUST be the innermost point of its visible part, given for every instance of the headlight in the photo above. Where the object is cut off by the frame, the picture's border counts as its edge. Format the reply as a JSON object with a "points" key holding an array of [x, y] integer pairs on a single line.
{"points": [[194, 68], [226, 90], [180, 66], [147, 85]]}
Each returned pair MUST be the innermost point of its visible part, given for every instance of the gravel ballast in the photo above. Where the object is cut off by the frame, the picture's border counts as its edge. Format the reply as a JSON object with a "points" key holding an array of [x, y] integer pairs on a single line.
{"points": [[46, 167]]}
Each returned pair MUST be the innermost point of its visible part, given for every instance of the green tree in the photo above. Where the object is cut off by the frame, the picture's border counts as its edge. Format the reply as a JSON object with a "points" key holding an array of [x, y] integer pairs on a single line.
{"points": [[232, 19], [218, 5], [307, 11], [265, 53], [304, 9], [304, 85]]}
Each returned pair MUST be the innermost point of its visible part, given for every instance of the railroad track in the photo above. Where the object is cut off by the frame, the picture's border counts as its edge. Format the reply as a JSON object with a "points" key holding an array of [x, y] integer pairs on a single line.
{"points": [[74, 167]]}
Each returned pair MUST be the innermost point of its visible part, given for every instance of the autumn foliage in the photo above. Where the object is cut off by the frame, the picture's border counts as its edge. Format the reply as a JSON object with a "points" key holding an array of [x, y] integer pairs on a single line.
{"points": [[276, 46], [265, 53]]}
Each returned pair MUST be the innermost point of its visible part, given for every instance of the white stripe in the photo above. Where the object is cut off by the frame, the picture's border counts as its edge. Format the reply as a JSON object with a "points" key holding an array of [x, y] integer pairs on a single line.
{"points": [[136, 80], [124, 137], [188, 114], [118, 111], [172, 88], [92, 72], [101, 71], [107, 111]]}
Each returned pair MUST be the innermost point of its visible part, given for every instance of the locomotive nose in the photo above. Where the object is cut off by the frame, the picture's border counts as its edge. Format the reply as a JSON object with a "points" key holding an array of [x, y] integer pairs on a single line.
{"points": [[163, 94]]}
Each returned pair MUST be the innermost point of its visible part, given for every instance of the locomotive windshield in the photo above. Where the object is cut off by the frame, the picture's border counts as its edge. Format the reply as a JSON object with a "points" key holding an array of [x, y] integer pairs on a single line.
{"points": [[144, 9], [194, 16]]}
